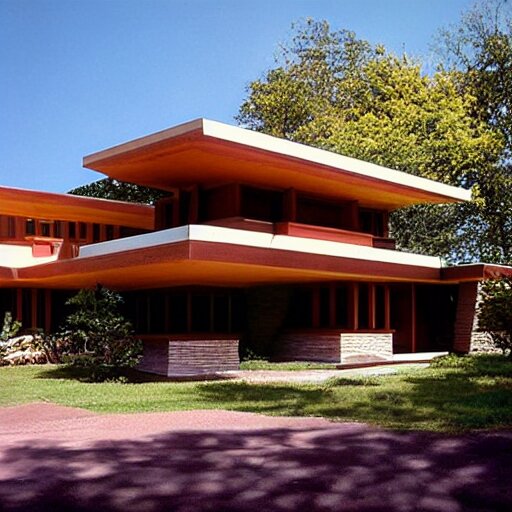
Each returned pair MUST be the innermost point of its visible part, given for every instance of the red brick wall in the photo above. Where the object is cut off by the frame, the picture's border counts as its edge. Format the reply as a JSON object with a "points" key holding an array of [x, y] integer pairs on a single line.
{"points": [[466, 307]]}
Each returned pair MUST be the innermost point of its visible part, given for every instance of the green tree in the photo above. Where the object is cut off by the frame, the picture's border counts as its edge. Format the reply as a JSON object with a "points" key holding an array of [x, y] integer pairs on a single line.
{"points": [[109, 188], [495, 313], [97, 332], [347, 96], [305, 84], [478, 51]]}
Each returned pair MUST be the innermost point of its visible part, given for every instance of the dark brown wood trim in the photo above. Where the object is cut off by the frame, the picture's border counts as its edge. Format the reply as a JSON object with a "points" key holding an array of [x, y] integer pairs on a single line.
{"points": [[387, 307]]}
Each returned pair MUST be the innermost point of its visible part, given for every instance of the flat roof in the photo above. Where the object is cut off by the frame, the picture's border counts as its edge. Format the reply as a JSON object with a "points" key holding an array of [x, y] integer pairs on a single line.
{"points": [[217, 256], [51, 206], [211, 153], [212, 255]]}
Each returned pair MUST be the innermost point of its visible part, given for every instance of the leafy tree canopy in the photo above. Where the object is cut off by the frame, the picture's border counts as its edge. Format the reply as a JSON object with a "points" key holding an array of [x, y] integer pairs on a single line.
{"points": [[109, 188], [334, 91]]}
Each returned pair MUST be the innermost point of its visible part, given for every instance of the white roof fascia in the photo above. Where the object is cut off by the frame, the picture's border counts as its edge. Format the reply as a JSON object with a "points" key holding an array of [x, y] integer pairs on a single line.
{"points": [[147, 140], [252, 139], [334, 160], [216, 234]]}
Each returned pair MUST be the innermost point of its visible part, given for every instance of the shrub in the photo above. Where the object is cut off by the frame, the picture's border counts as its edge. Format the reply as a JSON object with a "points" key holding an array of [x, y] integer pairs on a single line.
{"points": [[97, 334], [10, 327], [452, 361], [495, 313], [9, 330]]}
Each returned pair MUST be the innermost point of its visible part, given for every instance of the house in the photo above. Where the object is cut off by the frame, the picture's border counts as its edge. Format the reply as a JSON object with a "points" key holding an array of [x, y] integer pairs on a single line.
{"points": [[258, 240]]}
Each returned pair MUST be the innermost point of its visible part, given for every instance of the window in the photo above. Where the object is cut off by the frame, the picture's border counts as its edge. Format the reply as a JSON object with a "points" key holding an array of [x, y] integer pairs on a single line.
{"points": [[342, 305], [363, 318], [30, 227], [262, 204], [319, 212], [372, 222], [201, 314], [178, 312], [57, 229], [96, 233], [72, 231], [300, 313], [324, 306], [110, 232], [45, 228], [380, 307], [82, 230]]}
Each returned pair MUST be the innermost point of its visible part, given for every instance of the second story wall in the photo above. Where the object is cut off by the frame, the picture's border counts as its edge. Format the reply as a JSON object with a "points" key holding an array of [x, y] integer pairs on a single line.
{"points": [[292, 212]]}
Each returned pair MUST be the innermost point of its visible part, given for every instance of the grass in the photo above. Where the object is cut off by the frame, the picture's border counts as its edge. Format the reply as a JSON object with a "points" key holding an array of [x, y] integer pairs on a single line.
{"points": [[453, 395], [262, 364]]}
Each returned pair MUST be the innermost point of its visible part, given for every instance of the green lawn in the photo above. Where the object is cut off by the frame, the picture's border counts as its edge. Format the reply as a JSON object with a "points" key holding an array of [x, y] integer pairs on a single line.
{"points": [[459, 394], [261, 364]]}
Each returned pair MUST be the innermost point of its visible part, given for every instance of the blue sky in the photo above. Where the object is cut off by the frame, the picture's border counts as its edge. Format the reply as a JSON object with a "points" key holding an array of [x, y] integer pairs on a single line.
{"points": [[78, 76]]}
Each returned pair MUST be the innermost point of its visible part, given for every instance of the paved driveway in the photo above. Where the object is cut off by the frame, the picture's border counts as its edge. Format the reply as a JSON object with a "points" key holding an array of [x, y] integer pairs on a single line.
{"points": [[58, 459]]}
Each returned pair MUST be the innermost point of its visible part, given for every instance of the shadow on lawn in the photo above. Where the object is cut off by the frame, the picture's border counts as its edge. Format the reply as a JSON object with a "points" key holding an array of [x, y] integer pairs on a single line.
{"points": [[349, 468], [454, 399], [131, 376], [474, 393]]}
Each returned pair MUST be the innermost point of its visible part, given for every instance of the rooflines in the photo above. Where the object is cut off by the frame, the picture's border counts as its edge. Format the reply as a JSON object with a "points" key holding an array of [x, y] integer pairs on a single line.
{"points": [[200, 133], [334, 160], [53, 206]]}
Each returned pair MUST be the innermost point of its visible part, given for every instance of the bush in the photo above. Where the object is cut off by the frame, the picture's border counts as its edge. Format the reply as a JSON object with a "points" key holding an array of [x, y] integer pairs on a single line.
{"points": [[9, 330], [97, 335], [10, 327], [495, 313], [452, 361]]}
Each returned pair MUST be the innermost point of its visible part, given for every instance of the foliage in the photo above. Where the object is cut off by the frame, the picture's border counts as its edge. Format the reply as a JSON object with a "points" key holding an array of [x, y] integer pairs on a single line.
{"points": [[263, 364], [334, 91], [452, 361], [97, 334], [495, 313], [478, 52], [53, 346], [474, 395], [10, 327], [109, 188]]}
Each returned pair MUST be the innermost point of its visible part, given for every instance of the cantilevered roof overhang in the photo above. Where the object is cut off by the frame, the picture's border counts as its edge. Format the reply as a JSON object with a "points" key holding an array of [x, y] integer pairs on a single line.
{"points": [[210, 153], [211, 255], [52, 206], [216, 256]]}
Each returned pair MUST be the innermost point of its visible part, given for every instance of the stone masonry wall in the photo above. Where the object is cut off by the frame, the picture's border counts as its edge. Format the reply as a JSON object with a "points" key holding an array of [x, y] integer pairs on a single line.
{"points": [[467, 338], [200, 357], [154, 357], [189, 357], [480, 341], [317, 347], [358, 346], [334, 347]]}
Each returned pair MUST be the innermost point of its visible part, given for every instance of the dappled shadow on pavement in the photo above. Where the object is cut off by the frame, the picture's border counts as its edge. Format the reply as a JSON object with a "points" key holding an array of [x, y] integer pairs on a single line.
{"points": [[344, 468]]}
